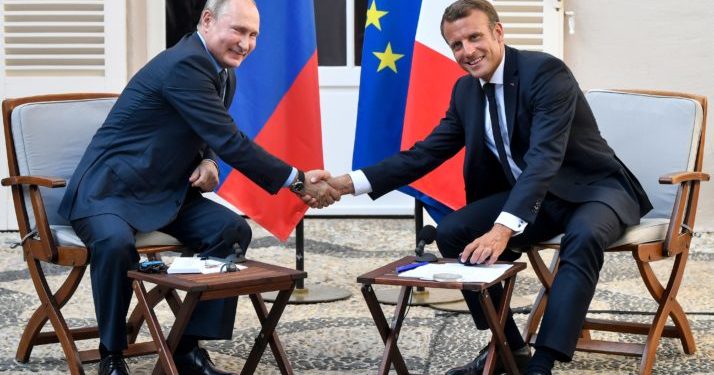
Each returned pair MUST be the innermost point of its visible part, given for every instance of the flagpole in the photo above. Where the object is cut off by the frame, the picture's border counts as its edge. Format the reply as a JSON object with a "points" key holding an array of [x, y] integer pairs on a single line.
{"points": [[312, 294]]}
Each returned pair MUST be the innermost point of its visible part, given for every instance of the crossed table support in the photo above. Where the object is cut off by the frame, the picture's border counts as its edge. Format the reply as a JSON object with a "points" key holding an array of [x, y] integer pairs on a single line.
{"points": [[496, 318], [257, 278]]}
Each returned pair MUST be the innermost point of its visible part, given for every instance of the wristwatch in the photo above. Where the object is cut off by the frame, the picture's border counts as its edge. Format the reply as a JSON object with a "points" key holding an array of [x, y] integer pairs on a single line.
{"points": [[298, 186]]}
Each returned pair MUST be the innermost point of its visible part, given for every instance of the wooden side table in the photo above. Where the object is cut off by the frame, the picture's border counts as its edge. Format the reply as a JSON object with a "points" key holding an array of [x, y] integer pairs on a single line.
{"points": [[257, 278], [496, 318]]}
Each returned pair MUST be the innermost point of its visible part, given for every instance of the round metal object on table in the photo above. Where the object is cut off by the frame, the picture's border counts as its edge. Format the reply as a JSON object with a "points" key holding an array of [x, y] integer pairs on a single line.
{"points": [[419, 297], [312, 294]]}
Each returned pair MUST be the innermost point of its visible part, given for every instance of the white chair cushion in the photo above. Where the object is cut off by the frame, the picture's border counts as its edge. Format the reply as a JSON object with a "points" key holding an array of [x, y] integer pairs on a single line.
{"points": [[64, 236], [649, 230], [653, 135], [50, 138]]}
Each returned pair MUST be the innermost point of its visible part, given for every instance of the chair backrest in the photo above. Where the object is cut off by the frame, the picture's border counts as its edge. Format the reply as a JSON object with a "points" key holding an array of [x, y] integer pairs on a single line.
{"points": [[653, 133], [47, 136]]}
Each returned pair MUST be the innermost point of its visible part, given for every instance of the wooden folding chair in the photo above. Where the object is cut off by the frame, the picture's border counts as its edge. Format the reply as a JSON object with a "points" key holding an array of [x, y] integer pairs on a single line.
{"points": [[660, 137], [46, 136]]}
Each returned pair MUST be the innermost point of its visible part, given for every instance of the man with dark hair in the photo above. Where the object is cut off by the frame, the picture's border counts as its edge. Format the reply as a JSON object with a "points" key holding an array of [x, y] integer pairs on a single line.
{"points": [[147, 165], [535, 166]]}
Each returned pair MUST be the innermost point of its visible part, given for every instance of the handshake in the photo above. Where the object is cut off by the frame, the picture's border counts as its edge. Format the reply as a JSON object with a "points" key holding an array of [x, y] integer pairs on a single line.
{"points": [[322, 190]]}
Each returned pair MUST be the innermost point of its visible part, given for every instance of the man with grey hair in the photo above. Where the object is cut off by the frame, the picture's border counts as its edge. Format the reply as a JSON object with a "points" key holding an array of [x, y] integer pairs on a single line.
{"points": [[536, 166], [146, 167]]}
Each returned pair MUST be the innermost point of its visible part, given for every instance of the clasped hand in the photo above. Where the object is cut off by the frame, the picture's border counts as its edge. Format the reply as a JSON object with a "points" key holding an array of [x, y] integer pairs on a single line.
{"points": [[318, 193], [321, 189]]}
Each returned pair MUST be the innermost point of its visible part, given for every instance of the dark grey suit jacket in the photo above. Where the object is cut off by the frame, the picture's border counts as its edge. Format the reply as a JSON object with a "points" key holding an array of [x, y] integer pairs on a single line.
{"points": [[166, 120], [553, 136]]}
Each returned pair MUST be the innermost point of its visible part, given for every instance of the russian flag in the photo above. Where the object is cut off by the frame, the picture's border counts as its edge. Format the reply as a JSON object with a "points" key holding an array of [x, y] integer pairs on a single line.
{"points": [[407, 75], [277, 105]]}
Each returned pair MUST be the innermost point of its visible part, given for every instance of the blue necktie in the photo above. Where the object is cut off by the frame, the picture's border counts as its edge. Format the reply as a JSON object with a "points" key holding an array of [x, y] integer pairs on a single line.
{"points": [[223, 78]]}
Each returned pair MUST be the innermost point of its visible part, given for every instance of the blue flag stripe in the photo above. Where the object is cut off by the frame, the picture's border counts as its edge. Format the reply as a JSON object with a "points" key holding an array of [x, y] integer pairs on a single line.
{"points": [[285, 43]]}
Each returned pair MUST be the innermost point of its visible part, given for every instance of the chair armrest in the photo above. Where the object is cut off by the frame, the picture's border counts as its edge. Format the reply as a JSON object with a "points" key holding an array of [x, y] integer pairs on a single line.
{"points": [[679, 177], [50, 182], [44, 248]]}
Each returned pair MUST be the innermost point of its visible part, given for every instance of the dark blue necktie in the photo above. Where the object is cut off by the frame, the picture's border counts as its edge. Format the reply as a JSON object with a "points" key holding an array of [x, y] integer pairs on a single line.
{"points": [[496, 129], [223, 78]]}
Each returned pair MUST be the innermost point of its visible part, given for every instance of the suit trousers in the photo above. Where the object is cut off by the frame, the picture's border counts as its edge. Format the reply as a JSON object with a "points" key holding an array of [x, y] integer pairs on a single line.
{"points": [[199, 225], [589, 228]]}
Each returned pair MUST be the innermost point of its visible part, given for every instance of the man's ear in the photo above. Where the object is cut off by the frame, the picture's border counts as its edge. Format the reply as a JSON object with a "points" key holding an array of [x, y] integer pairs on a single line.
{"points": [[498, 31], [206, 19]]}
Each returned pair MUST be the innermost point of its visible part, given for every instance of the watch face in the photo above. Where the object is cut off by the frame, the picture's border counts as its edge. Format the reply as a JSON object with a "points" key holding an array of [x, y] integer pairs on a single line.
{"points": [[298, 187]]}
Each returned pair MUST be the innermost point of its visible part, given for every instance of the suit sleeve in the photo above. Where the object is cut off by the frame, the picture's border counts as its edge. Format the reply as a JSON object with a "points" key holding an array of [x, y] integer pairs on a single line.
{"points": [[191, 89], [552, 105], [401, 169]]}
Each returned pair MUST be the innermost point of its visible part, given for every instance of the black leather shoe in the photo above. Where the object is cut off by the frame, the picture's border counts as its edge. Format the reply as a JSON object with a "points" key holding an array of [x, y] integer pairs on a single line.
{"points": [[197, 362], [113, 364], [476, 366]]}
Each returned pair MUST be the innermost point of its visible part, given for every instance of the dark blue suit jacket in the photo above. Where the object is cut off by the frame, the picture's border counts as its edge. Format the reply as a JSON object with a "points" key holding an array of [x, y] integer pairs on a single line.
{"points": [[166, 120], [554, 140]]}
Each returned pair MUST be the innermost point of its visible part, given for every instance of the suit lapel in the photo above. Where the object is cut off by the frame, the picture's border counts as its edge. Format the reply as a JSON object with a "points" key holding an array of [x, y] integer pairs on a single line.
{"points": [[510, 88], [478, 119]]}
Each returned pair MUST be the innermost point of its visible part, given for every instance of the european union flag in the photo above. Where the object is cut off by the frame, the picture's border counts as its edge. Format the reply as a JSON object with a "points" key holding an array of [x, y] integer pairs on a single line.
{"points": [[386, 68]]}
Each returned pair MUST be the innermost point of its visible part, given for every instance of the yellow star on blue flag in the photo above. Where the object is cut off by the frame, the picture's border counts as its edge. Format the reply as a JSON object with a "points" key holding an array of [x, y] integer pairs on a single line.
{"points": [[373, 16], [388, 59]]}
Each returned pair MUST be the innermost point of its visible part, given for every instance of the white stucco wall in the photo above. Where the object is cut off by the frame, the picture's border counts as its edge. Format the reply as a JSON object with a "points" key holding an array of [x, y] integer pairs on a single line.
{"points": [[648, 44]]}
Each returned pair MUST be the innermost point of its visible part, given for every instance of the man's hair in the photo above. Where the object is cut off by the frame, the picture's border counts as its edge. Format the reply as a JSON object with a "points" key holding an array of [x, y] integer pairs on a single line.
{"points": [[215, 6], [462, 8]]}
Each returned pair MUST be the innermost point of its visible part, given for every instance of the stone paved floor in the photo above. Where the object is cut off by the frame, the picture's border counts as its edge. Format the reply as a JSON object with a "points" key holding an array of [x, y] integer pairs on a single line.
{"points": [[340, 338]]}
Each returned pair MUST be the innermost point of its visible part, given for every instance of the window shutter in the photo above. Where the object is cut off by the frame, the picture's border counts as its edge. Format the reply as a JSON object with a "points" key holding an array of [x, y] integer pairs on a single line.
{"points": [[532, 25], [63, 45]]}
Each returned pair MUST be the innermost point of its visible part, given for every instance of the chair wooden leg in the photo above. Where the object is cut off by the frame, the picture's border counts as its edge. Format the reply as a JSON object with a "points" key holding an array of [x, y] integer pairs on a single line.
{"points": [[39, 317], [51, 307], [545, 274], [668, 306]]}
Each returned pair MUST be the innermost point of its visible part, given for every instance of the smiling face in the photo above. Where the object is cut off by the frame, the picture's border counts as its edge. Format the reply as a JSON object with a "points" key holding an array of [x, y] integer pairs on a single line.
{"points": [[231, 34], [478, 48]]}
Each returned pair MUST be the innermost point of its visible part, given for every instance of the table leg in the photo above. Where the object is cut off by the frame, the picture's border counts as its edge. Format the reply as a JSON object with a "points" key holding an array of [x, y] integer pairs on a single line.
{"points": [[182, 318], [165, 357], [266, 331], [497, 321], [275, 345], [389, 335]]}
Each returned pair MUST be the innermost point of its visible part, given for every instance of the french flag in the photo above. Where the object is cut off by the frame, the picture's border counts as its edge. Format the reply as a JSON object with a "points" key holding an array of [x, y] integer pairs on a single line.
{"points": [[277, 105], [398, 107]]}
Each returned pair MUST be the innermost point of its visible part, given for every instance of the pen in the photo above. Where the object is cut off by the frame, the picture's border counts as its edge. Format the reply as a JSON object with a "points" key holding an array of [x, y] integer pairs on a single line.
{"points": [[410, 266]]}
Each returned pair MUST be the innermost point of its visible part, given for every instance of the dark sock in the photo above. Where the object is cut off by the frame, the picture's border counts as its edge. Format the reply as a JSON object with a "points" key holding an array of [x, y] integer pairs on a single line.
{"points": [[542, 361], [104, 352], [513, 335], [186, 344]]}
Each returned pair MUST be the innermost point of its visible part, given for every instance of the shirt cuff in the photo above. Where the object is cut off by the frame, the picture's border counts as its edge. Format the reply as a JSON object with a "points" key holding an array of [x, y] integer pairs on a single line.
{"points": [[360, 182], [291, 178], [514, 223]]}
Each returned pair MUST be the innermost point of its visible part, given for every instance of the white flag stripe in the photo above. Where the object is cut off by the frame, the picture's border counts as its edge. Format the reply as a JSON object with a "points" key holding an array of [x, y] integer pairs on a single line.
{"points": [[428, 29]]}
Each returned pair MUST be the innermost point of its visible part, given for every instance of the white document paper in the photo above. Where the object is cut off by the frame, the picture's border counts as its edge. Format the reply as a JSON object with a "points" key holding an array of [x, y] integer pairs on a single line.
{"points": [[469, 274], [197, 265]]}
